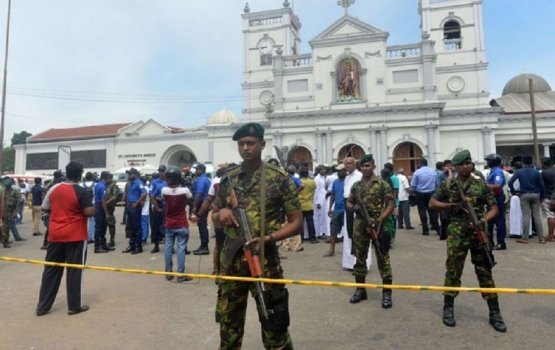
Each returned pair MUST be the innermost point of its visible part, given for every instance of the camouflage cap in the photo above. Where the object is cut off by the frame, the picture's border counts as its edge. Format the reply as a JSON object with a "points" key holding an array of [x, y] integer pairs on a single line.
{"points": [[249, 129], [367, 158], [460, 157]]}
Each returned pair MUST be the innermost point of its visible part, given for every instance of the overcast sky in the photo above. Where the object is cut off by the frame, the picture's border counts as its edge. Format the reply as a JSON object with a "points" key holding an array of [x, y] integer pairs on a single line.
{"points": [[79, 62]]}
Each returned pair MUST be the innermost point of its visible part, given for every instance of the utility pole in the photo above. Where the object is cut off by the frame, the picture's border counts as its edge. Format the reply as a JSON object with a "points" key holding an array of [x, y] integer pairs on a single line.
{"points": [[4, 91], [534, 127]]}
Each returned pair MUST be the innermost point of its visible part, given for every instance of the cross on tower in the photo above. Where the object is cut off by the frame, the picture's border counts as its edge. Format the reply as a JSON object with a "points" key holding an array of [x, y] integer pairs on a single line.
{"points": [[345, 4]]}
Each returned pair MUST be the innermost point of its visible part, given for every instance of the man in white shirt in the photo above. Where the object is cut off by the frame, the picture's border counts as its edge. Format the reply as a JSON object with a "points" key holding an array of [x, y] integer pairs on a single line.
{"points": [[353, 175], [403, 217]]}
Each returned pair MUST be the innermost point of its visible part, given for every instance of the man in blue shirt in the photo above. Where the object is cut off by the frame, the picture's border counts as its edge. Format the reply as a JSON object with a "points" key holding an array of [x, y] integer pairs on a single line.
{"points": [[201, 187], [157, 208], [136, 195], [496, 181], [423, 184], [100, 215], [532, 193], [337, 202]]}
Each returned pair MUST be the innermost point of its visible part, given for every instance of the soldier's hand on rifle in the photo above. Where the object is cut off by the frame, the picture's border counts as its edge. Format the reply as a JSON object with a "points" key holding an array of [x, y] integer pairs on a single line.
{"points": [[357, 209], [227, 218]]}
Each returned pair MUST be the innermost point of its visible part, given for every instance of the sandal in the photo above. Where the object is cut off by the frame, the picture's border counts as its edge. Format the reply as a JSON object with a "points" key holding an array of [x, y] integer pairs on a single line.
{"points": [[525, 241]]}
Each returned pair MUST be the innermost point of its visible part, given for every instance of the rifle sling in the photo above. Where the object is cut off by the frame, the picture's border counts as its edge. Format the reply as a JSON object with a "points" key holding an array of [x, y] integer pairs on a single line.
{"points": [[261, 245]]}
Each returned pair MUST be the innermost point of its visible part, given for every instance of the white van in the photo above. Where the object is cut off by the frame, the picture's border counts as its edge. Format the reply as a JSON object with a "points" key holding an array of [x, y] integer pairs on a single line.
{"points": [[121, 177]]}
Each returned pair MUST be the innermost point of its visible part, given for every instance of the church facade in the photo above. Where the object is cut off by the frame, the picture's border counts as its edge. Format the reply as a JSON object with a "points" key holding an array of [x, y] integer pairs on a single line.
{"points": [[351, 94]]}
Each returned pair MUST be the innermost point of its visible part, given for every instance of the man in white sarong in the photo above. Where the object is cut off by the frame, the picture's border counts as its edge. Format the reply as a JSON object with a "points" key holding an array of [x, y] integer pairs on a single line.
{"points": [[321, 225]]}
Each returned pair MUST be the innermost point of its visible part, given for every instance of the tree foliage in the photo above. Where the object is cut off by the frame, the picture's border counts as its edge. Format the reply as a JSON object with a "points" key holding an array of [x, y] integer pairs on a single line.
{"points": [[20, 137]]}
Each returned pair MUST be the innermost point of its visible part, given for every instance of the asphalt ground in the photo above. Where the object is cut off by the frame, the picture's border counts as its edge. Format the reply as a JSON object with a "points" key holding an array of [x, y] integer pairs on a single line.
{"points": [[131, 311]]}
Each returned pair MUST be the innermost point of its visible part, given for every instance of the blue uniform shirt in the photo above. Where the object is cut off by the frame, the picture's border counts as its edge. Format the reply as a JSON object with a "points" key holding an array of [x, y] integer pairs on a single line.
{"points": [[338, 190], [157, 186], [99, 192], [202, 186], [136, 190]]}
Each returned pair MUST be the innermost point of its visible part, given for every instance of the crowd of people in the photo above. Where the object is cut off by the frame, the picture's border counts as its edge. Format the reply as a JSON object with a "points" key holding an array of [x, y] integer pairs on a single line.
{"points": [[352, 203]]}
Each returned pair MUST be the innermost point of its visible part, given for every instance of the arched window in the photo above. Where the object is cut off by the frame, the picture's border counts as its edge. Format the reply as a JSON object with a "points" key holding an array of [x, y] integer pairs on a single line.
{"points": [[350, 150], [300, 156], [452, 35], [407, 155]]}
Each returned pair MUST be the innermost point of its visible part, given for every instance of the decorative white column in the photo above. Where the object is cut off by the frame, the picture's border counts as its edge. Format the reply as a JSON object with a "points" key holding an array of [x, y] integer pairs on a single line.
{"points": [[487, 141], [329, 150], [383, 147], [546, 152], [319, 147], [431, 139]]}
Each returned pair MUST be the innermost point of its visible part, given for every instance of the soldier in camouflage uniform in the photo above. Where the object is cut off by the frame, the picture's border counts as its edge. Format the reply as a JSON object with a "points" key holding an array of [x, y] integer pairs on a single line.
{"points": [[462, 237], [11, 206], [377, 196], [281, 194], [113, 195]]}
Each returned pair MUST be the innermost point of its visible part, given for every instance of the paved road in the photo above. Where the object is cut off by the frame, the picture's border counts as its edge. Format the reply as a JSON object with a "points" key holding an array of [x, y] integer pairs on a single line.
{"points": [[131, 311]]}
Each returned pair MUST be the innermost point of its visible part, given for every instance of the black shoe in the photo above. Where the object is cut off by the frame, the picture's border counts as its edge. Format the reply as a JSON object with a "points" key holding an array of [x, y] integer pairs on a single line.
{"points": [[339, 240], [37, 234], [108, 248], [187, 251], [400, 227], [449, 311], [100, 250], [314, 240], [500, 246], [75, 312], [360, 295], [136, 251], [425, 233], [7, 245], [41, 312], [44, 247], [201, 251], [90, 241], [169, 277], [183, 279], [409, 228], [111, 245], [495, 318], [20, 239], [155, 249], [129, 249], [387, 301]]}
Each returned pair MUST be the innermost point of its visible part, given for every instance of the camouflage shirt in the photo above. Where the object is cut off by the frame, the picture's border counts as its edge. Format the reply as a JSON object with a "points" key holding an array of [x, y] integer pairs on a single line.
{"points": [[475, 189], [374, 194], [281, 193], [113, 191], [11, 201]]}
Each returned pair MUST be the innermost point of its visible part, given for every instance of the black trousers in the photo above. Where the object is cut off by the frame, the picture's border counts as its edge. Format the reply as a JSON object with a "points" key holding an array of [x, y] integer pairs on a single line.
{"points": [[422, 201], [100, 227], [67, 252], [350, 216], [308, 217], [157, 231]]}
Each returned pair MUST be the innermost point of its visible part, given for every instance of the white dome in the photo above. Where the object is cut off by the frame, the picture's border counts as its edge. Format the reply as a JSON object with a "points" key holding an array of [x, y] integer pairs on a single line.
{"points": [[225, 116], [520, 84]]}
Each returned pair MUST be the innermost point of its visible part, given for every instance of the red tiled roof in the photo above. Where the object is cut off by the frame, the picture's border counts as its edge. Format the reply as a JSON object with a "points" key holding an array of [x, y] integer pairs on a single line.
{"points": [[79, 133]]}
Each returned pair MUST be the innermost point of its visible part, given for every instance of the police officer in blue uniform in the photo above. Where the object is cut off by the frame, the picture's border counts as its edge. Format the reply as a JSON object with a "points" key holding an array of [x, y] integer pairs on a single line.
{"points": [[100, 215], [157, 208], [135, 198], [496, 181]]}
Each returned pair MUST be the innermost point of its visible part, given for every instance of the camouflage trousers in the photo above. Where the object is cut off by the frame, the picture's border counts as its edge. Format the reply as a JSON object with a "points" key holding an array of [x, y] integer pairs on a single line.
{"points": [[231, 308], [361, 243], [459, 242], [111, 224], [5, 230]]}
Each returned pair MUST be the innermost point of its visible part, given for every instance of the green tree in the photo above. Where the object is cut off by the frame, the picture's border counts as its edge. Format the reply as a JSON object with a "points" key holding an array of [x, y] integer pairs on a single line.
{"points": [[8, 162], [21, 137]]}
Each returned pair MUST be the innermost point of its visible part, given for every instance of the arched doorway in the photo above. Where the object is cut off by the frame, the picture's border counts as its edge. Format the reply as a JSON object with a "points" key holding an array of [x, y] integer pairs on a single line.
{"points": [[300, 156], [350, 150], [407, 155], [178, 156]]}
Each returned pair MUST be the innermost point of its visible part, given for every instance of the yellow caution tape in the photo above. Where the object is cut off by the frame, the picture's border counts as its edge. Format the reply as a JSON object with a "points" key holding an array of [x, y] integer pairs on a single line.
{"points": [[289, 281]]}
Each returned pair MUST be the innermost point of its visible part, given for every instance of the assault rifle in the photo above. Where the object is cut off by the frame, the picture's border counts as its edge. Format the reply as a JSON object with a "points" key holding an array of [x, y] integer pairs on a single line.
{"points": [[477, 226], [251, 255], [370, 226]]}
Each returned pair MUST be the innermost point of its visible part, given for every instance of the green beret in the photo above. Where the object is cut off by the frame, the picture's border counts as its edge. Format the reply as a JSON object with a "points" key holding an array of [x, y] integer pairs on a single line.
{"points": [[249, 129], [460, 157], [366, 158]]}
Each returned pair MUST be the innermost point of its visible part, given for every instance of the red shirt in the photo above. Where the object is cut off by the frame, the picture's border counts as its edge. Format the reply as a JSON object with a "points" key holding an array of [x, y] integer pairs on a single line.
{"points": [[176, 200], [66, 202]]}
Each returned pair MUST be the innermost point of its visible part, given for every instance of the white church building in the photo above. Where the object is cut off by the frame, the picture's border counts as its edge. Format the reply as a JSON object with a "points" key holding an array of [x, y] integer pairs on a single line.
{"points": [[351, 94]]}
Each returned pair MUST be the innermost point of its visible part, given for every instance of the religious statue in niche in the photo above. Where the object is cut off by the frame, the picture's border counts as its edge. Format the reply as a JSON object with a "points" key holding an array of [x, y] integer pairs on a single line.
{"points": [[348, 80]]}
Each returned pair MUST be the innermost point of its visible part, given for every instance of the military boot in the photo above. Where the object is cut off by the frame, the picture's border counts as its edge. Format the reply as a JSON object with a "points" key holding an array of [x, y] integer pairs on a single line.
{"points": [[495, 318], [360, 293], [449, 311], [387, 301], [6, 244]]}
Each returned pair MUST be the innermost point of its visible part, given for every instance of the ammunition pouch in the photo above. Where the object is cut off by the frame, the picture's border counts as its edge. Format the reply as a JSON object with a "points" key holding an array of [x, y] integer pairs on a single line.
{"points": [[277, 303], [231, 248]]}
